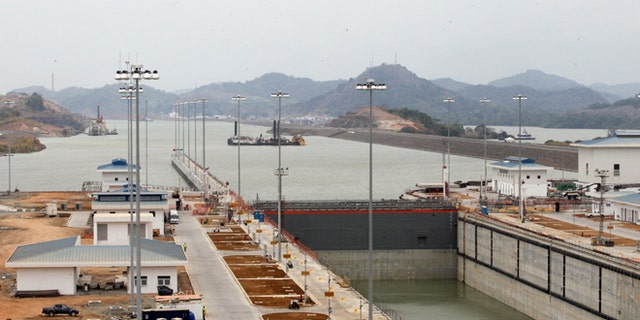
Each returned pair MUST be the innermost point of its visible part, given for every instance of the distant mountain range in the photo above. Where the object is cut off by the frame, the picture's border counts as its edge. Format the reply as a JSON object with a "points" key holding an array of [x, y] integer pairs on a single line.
{"points": [[551, 100]]}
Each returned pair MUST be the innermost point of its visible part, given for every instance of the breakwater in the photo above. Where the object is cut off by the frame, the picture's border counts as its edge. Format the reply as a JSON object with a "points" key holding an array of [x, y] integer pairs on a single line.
{"points": [[561, 158]]}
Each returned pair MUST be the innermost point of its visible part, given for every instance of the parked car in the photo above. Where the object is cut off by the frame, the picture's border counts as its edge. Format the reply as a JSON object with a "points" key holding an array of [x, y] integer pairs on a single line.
{"points": [[60, 309], [164, 291]]}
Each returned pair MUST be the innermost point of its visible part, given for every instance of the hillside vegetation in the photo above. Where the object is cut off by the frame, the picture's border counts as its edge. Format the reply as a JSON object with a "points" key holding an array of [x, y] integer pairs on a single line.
{"points": [[552, 101], [24, 118]]}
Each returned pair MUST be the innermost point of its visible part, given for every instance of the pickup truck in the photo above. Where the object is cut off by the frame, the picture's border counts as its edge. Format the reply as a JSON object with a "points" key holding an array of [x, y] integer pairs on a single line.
{"points": [[60, 309]]}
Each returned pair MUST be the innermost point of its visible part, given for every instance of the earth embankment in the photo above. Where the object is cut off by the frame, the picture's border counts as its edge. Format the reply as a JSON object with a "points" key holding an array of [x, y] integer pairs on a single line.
{"points": [[561, 158]]}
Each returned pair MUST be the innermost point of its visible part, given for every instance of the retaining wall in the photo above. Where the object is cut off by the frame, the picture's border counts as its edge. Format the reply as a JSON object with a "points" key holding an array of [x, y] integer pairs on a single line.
{"points": [[392, 264], [543, 278]]}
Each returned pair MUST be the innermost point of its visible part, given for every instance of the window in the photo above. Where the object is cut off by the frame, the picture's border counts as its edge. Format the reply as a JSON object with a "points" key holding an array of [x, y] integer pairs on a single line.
{"points": [[539, 177], [116, 178], [586, 168], [164, 280], [528, 177], [103, 234], [616, 169], [143, 282]]}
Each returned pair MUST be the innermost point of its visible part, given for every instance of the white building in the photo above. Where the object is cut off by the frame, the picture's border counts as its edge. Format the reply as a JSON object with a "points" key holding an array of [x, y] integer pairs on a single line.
{"points": [[505, 177], [617, 154], [111, 214], [115, 175], [55, 265], [113, 228], [626, 207]]}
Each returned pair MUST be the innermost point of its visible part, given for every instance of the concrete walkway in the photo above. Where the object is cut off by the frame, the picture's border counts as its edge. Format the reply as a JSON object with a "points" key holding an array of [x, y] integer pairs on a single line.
{"points": [[209, 275], [225, 299]]}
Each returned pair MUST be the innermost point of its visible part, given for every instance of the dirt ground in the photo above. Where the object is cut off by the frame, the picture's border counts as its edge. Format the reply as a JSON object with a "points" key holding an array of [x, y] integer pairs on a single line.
{"points": [[582, 231], [39, 200], [261, 279], [26, 228]]}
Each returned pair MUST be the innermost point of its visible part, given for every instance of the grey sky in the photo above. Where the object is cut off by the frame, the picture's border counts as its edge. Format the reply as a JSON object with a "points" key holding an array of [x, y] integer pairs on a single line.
{"points": [[198, 42]]}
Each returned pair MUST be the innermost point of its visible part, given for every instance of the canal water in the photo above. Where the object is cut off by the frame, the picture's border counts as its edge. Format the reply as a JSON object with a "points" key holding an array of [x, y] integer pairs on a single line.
{"points": [[325, 169]]}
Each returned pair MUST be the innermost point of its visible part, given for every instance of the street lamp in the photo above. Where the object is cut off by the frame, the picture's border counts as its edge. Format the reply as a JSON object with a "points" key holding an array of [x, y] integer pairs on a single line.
{"points": [[9, 158], [176, 105], [188, 104], [9, 153], [520, 97], [484, 101], [146, 141], [136, 74], [370, 85], [240, 98], [279, 171], [183, 133], [204, 163], [448, 101], [195, 132]]}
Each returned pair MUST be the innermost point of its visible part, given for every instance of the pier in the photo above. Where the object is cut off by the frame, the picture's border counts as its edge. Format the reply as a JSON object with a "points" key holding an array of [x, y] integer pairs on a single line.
{"points": [[198, 178]]}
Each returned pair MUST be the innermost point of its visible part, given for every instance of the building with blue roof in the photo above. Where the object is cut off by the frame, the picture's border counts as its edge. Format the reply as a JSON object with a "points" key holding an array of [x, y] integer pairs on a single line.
{"points": [[626, 207], [115, 175], [617, 155], [505, 177]]}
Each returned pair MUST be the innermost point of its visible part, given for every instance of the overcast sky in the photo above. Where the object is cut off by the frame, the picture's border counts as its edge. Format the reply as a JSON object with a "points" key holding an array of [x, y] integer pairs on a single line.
{"points": [[197, 42]]}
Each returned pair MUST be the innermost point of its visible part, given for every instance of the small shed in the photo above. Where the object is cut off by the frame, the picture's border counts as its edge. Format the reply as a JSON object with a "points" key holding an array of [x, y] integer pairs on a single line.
{"points": [[506, 173]]}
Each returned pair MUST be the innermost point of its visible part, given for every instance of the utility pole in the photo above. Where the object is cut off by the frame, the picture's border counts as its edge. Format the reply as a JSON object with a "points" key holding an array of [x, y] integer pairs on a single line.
{"points": [[602, 174]]}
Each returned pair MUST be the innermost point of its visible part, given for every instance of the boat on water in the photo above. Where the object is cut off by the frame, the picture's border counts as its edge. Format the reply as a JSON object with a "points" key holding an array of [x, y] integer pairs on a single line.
{"points": [[296, 140], [98, 127], [524, 136], [235, 140]]}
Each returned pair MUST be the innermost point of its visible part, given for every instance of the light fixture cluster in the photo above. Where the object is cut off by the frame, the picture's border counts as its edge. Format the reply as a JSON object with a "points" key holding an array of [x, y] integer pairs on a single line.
{"points": [[279, 94], [137, 73], [127, 92], [370, 85]]}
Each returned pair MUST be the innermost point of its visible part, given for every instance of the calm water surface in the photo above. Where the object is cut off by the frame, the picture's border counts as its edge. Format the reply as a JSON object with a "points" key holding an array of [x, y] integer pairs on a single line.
{"points": [[325, 169]]}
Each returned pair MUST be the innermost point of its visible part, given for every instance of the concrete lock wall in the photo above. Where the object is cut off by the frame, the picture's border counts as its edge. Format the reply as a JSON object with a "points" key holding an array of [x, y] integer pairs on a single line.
{"points": [[542, 278], [392, 264]]}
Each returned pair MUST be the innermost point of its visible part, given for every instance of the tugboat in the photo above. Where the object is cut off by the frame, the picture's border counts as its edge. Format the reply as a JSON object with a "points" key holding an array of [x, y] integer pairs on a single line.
{"points": [[524, 136]]}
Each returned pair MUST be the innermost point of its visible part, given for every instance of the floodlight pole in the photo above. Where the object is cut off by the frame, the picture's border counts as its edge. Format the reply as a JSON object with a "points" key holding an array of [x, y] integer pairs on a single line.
{"points": [[484, 101], [370, 85], [279, 171], [520, 97], [448, 101], [238, 98], [137, 74]]}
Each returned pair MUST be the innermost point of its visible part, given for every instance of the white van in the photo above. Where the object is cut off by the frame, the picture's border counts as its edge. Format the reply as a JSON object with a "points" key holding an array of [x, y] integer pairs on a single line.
{"points": [[174, 217]]}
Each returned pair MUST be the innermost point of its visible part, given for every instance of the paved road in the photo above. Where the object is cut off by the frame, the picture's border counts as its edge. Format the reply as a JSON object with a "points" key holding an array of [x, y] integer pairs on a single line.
{"points": [[223, 296], [209, 275]]}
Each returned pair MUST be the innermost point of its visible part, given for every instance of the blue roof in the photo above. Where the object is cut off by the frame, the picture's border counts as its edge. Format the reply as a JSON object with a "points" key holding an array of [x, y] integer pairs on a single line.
{"points": [[619, 138], [117, 164], [633, 198], [516, 159], [513, 162]]}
